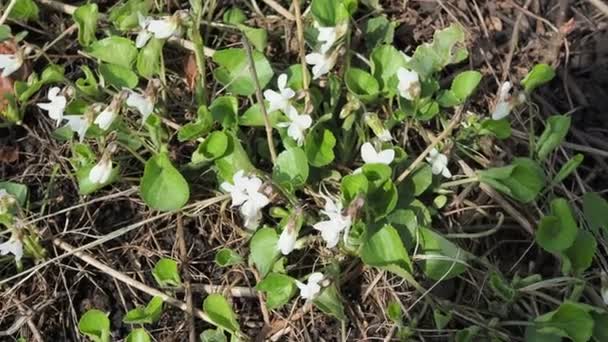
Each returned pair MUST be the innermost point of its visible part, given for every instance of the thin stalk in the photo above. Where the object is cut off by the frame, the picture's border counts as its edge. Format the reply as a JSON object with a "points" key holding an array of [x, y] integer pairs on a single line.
{"points": [[460, 182], [260, 98]]}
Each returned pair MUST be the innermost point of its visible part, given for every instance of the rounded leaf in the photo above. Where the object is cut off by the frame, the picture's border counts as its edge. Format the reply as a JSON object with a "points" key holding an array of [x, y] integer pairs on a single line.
{"points": [[162, 186]]}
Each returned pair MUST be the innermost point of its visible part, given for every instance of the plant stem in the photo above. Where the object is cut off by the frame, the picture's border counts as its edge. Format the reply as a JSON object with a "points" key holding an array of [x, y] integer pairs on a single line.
{"points": [[460, 182], [260, 98], [7, 11], [302, 54]]}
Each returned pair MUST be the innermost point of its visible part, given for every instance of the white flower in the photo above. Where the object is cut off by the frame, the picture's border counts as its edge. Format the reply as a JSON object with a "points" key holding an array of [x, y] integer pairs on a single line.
{"points": [[330, 229], [164, 28], [329, 35], [287, 239], [144, 104], [297, 125], [12, 246], [6, 201], [105, 118], [245, 192], [439, 163], [10, 63], [144, 35], [371, 156], [409, 83], [280, 100], [504, 104], [311, 290], [101, 172], [385, 135], [321, 62], [79, 124], [56, 106]]}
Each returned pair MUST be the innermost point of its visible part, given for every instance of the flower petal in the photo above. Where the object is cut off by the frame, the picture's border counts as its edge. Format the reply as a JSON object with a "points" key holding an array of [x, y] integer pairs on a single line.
{"points": [[368, 153]]}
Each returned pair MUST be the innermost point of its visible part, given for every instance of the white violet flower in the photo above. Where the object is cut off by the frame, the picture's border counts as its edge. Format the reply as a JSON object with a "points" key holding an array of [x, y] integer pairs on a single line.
{"points": [[505, 102], [287, 239], [310, 290], [245, 192], [164, 28], [371, 156], [105, 118], [56, 106], [321, 63], [143, 103], [330, 229], [385, 135], [409, 83], [101, 172], [280, 100], [439, 163], [143, 35], [12, 246], [329, 35], [6, 201], [297, 125], [79, 124], [9, 63]]}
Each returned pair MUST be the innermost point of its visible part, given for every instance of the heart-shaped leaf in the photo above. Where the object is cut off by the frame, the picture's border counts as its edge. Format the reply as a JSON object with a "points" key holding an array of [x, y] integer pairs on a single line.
{"points": [[162, 186]]}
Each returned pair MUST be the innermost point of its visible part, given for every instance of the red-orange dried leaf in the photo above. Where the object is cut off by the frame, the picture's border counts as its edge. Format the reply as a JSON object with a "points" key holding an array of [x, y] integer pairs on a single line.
{"points": [[190, 71], [568, 27], [9, 154]]}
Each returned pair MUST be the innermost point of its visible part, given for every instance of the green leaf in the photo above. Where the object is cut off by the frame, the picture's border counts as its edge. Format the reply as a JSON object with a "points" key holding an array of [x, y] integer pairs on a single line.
{"points": [[557, 232], [600, 326], [579, 256], [446, 48], [570, 320], [197, 129], [291, 168], [53, 73], [5, 32], [353, 185], [213, 335], [329, 302], [234, 16], [443, 259], [522, 180], [329, 12], [95, 325], [86, 187], [384, 248], [553, 135], [447, 99], [25, 10], [114, 50], [162, 186], [419, 181], [118, 76], [385, 61], [264, 250], [595, 208], [279, 289], [465, 83], [257, 36], [361, 84], [441, 320], [539, 75], [17, 190], [138, 335], [501, 288], [227, 257], [254, 117], [295, 77], [234, 159], [124, 16], [534, 335], [467, 335], [85, 17], [149, 58], [378, 30], [145, 315], [88, 84], [166, 273], [319, 146], [224, 110], [233, 70], [213, 147], [569, 167], [393, 311], [499, 128], [220, 312]]}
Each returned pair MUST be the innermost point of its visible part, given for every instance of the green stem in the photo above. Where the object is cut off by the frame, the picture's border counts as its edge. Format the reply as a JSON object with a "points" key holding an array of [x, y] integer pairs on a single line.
{"points": [[460, 182]]}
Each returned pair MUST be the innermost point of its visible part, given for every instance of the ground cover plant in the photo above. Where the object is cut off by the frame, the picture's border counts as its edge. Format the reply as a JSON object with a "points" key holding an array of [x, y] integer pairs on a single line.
{"points": [[334, 170]]}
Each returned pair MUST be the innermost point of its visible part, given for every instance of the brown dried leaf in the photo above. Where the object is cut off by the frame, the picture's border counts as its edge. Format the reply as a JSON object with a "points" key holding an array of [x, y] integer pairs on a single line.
{"points": [[190, 71], [9, 154]]}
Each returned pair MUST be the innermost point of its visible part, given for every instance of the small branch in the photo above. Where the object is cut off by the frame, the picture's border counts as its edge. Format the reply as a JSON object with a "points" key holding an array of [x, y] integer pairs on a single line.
{"points": [[130, 281], [183, 255], [600, 5], [260, 98], [424, 153], [7, 11], [279, 9], [235, 291], [513, 43]]}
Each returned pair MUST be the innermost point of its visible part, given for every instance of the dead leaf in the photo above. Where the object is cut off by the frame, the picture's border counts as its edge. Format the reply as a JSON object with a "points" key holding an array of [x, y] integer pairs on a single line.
{"points": [[190, 71], [9, 154]]}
